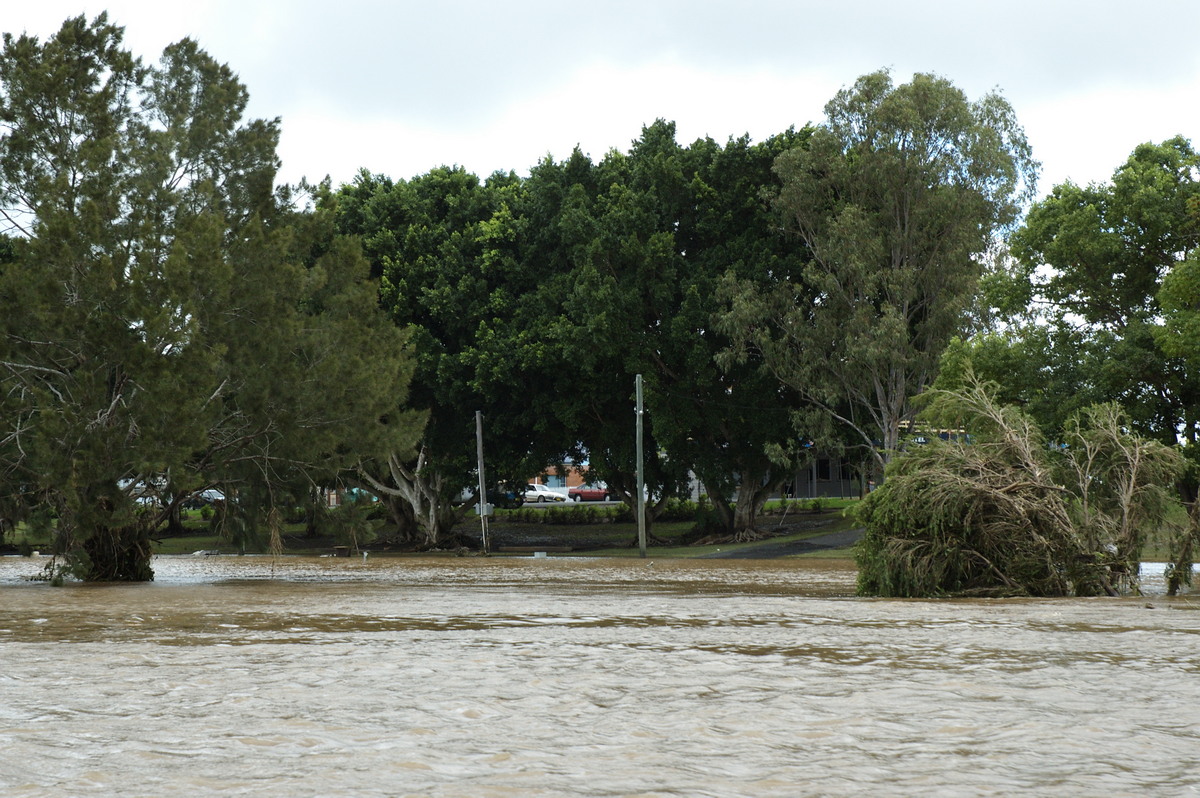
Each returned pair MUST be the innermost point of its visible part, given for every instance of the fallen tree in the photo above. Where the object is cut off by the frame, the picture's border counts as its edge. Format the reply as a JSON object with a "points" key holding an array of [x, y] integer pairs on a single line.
{"points": [[1001, 511]]}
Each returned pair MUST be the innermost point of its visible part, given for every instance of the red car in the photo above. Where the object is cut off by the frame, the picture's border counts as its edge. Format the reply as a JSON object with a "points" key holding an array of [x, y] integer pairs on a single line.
{"points": [[590, 493]]}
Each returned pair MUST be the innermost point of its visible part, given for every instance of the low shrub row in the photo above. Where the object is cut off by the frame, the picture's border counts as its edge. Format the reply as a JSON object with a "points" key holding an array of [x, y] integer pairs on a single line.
{"points": [[576, 513]]}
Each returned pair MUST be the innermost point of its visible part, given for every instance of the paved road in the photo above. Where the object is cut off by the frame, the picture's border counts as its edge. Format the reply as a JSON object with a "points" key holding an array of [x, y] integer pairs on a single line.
{"points": [[768, 551]]}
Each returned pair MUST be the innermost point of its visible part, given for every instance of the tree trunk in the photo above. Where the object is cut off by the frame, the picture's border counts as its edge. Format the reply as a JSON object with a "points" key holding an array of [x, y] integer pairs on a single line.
{"points": [[423, 489], [175, 519], [751, 496], [401, 514], [118, 554], [739, 518], [1179, 571], [723, 508], [745, 513], [312, 513]]}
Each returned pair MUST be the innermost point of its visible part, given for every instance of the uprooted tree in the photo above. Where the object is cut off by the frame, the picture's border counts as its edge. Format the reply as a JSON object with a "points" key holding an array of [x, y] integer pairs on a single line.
{"points": [[1001, 511]]}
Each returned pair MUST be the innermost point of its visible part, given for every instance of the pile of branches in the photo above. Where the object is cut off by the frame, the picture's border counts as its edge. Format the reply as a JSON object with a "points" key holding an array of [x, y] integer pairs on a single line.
{"points": [[1005, 512]]}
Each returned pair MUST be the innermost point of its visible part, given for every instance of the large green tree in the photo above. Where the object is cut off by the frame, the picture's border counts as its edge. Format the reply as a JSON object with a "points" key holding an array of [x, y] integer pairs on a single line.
{"points": [[1114, 263], [1095, 259], [605, 274], [637, 244], [447, 248], [166, 321], [898, 195], [1044, 369]]}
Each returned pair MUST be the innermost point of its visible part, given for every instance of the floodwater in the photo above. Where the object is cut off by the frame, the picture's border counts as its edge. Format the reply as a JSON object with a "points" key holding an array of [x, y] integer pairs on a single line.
{"points": [[248, 676]]}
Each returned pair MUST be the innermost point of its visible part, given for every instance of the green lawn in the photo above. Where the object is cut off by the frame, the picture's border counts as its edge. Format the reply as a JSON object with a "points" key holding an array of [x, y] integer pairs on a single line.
{"points": [[608, 538], [605, 539]]}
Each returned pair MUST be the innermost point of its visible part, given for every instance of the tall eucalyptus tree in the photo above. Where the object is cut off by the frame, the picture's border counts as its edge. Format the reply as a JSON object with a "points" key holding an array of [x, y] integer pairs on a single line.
{"points": [[898, 195]]}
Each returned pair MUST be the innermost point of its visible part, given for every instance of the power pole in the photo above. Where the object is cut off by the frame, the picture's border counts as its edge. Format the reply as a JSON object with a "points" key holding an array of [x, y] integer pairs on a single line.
{"points": [[485, 509], [641, 479]]}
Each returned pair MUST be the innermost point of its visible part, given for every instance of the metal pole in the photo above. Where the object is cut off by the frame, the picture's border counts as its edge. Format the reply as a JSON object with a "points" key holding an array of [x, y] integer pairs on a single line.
{"points": [[484, 508], [641, 479]]}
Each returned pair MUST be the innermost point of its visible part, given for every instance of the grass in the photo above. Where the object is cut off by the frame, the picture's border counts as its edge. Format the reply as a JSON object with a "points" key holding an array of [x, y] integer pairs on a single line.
{"points": [[605, 538], [588, 530], [836, 522]]}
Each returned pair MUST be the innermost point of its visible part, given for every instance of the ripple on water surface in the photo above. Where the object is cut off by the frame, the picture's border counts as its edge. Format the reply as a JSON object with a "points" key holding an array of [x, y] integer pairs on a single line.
{"points": [[300, 676]]}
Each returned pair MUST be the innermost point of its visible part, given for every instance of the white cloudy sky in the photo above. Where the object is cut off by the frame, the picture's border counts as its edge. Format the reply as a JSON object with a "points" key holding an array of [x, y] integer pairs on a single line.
{"points": [[401, 87]]}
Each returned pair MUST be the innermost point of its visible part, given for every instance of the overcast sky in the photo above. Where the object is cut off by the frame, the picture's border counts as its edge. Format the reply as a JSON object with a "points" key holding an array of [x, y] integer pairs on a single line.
{"points": [[401, 87]]}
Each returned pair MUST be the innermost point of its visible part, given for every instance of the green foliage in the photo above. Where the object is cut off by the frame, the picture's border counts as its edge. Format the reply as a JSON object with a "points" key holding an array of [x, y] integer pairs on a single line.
{"points": [[168, 320], [1179, 296], [635, 247], [1046, 370], [446, 246], [897, 196], [679, 510], [1006, 513], [570, 515], [1118, 257]]}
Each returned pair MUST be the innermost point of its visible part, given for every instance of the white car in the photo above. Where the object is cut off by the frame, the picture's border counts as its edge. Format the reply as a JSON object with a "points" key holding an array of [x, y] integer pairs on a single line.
{"points": [[541, 493]]}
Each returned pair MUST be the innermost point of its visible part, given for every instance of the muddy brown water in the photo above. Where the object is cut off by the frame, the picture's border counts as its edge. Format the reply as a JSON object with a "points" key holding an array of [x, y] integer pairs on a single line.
{"points": [[248, 676]]}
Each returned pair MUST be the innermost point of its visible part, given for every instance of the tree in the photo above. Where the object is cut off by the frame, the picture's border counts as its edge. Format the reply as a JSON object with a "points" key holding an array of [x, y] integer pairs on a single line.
{"points": [[1115, 263], [162, 325], [1001, 512], [730, 421], [593, 240], [638, 244], [1046, 370], [1095, 259], [445, 245], [898, 196]]}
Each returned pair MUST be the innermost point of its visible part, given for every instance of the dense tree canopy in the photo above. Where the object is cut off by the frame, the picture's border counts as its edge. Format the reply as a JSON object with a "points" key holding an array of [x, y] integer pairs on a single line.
{"points": [[1105, 261], [171, 321], [898, 196], [634, 248], [167, 321], [446, 247]]}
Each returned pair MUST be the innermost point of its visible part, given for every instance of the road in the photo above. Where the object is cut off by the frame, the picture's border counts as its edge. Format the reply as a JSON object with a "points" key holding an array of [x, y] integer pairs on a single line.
{"points": [[768, 551]]}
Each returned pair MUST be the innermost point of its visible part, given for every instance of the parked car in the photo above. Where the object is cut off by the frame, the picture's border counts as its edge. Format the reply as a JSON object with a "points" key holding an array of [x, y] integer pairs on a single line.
{"points": [[541, 493], [591, 493]]}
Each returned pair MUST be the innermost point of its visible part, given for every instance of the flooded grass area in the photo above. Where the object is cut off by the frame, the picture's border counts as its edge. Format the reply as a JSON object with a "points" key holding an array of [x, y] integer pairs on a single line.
{"points": [[503, 676]]}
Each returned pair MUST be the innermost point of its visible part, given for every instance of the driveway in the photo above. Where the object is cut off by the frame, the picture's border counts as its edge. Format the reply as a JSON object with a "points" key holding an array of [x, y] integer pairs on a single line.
{"points": [[769, 551]]}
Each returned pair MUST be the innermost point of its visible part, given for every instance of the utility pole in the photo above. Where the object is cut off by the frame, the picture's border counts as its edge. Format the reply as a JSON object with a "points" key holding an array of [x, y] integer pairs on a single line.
{"points": [[641, 478], [485, 509]]}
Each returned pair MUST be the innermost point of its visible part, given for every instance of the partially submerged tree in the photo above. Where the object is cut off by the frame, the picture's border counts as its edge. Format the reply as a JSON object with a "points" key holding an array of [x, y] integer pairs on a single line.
{"points": [[1112, 267], [167, 322], [1000, 511]]}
